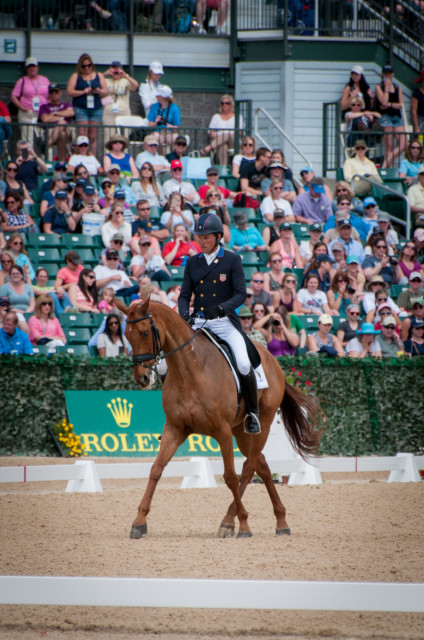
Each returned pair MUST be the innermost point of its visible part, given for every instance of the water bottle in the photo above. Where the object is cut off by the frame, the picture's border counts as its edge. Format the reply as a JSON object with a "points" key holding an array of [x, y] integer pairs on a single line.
{"points": [[50, 23]]}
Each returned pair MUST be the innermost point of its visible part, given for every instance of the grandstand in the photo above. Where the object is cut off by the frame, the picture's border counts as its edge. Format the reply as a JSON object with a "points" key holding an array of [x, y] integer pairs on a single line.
{"points": [[285, 70]]}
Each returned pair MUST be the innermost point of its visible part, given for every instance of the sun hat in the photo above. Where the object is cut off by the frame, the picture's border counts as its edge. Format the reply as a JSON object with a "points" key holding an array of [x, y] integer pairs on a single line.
{"points": [[367, 328], [245, 312], [325, 318], [116, 138], [377, 280]]}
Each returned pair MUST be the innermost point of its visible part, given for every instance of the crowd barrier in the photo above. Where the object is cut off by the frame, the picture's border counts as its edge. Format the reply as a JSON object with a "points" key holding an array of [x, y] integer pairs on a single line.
{"points": [[198, 473], [212, 594]]}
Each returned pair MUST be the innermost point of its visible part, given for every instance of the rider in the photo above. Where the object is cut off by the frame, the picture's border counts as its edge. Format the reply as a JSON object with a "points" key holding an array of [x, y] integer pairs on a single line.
{"points": [[217, 279]]}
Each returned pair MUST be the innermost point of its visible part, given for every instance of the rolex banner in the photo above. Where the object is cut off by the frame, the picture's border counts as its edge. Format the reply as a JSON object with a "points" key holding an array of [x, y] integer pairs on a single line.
{"points": [[127, 424]]}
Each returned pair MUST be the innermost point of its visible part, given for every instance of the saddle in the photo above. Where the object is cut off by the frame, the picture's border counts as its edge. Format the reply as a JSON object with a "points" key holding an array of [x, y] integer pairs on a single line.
{"points": [[228, 354]]}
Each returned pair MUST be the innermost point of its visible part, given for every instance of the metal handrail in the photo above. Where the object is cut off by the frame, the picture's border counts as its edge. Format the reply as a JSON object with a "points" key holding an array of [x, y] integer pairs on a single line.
{"points": [[407, 223], [280, 130]]}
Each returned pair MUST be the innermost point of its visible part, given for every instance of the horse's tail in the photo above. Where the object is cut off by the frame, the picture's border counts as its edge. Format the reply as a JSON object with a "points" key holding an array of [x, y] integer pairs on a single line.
{"points": [[303, 419]]}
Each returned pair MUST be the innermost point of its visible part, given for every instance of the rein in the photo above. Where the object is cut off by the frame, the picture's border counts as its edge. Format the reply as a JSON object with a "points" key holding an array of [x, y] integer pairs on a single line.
{"points": [[158, 355]]}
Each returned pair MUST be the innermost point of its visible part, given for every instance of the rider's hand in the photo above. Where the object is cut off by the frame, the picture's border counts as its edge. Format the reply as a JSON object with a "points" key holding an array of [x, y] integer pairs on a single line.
{"points": [[214, 312]]}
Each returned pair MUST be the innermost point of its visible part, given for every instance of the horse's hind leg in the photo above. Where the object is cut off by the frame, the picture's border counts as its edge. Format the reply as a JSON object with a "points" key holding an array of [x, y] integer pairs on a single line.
{"points": [[264, 472], [171, 440]]}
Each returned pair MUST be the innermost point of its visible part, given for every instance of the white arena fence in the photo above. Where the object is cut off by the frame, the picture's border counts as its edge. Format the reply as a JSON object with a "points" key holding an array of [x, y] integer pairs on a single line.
{"points": [[199, 472], [211, 594]]}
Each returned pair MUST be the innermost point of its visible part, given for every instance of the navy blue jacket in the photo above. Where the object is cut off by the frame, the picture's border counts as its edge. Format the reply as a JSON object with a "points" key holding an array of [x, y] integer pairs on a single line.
{"points": [[220, 283]]}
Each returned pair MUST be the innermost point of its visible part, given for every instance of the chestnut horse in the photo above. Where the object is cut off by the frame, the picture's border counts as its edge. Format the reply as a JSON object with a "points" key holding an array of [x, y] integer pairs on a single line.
{"points": [[200, 396]]}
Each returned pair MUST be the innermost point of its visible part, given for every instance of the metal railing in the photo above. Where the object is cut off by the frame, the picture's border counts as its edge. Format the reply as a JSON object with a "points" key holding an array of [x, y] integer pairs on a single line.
{"points": [[273, 127]]}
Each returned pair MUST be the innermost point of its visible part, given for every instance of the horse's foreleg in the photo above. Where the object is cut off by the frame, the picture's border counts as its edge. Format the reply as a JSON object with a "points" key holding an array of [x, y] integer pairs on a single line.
{"points": [[230, 477], [171, 440], [227, 526], [264, 472]]}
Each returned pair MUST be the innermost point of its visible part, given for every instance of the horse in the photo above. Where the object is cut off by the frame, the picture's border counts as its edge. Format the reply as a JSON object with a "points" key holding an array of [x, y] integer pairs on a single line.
{"points": [[200, 396]]}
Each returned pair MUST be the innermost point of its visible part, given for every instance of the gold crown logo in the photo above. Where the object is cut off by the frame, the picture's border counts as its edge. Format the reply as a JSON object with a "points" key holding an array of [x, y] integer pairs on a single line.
{"points": [[121, 414]]}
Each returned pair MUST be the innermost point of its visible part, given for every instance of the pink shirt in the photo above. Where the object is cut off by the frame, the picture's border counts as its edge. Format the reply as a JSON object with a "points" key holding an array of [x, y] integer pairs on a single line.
{"points": [[47, 329], [67, 276], [38, 87]]}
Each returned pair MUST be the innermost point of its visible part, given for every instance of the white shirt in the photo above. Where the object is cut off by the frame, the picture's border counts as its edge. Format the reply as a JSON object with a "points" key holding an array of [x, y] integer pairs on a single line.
{"points": [[109, 230], [102, 271], [172, 186], [153, 158], [268, 206], [90, 163], [368, 302], [305, 249], [148, 94], [178, 219], [218, 123], [312, 301], [355, 345], [150, 196], [154, 263], [210, 257], [112, 348]]}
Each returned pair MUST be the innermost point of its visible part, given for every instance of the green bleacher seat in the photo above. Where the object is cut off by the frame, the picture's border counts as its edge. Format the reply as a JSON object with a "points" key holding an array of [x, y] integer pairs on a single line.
{"points": [[249, 271], [177, 273], [51, 269], [81, 320], [251, 259], [43, 349], [44, 240], [74, 350], [78, 240], [45, 255], [96, 321], [309, 322], [77, 335], [223, 169], [250, 213], [231, 183], [396, 289], [87, 255]]}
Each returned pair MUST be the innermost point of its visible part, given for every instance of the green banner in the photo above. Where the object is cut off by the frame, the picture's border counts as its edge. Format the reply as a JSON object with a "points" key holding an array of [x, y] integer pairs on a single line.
{"points": [[127, 424]]}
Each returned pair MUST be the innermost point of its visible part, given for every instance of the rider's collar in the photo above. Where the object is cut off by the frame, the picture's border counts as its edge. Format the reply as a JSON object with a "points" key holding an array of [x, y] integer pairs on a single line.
{"points": [[210, 257]]}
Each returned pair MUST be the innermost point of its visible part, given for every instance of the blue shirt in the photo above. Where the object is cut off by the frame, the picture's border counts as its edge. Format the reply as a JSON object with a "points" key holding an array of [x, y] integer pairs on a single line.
{"points": [[19, 342], [352, 248], [357, 223], [410, 169], [171, 114], [243, 237], [313, 209]]}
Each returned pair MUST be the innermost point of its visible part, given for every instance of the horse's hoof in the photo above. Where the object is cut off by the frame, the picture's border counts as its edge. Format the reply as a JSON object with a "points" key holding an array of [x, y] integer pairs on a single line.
{"points": [[226, 530], [244, 534], [138, 531], [283, 532]]}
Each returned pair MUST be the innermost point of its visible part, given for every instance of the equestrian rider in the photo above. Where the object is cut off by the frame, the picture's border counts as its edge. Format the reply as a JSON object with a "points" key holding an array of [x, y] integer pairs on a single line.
{"points": [[217, 279]]}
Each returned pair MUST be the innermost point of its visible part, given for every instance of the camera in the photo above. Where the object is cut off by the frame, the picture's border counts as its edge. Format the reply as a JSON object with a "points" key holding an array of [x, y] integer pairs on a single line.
{"points": [[275, 323], [349, 289], [162, 121], [393, 262]]}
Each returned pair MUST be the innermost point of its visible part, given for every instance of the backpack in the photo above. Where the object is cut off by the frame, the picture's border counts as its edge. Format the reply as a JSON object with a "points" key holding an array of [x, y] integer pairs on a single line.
{"points": [[245, 202], [182, 17]]}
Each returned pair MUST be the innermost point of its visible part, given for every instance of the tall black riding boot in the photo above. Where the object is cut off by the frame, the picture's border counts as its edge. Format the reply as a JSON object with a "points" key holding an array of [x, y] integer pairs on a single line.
{"points": [[250, 394]]}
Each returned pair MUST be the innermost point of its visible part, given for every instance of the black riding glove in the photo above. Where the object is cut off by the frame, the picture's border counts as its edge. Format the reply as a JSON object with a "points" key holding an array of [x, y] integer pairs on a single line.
{"points": [[189, 318], [214, 312]]}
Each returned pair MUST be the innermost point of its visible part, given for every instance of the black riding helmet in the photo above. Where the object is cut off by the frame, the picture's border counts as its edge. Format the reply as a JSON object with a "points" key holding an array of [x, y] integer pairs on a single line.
{"points": [[208, 223]]}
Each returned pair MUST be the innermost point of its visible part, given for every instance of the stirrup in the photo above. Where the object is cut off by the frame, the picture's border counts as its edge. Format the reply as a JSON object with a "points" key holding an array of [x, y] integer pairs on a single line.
{"points": [[251, 423]]}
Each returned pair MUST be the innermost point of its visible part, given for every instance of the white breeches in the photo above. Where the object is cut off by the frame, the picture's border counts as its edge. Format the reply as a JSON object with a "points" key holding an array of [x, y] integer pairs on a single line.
{"points": [[224, 328]]}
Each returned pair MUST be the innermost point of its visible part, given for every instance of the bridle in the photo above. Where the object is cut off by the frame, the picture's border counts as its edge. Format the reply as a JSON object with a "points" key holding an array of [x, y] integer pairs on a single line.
{"points": [[158, 355]]}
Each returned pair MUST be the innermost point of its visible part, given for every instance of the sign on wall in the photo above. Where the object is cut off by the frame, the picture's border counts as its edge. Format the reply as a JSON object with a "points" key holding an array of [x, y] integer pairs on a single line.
{"points": [[127, 424]]}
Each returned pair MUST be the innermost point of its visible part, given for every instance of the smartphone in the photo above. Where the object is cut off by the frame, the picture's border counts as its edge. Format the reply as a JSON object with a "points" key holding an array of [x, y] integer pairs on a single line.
{"points": [[25, 153], [175, 201]]}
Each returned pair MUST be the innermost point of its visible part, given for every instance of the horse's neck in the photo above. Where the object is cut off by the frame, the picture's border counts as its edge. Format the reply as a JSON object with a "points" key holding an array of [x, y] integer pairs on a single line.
{"points": [[176, 337]]}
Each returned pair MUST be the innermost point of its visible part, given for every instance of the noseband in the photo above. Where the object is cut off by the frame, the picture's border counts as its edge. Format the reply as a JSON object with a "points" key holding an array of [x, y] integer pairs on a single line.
{"points": [[158, 355]]}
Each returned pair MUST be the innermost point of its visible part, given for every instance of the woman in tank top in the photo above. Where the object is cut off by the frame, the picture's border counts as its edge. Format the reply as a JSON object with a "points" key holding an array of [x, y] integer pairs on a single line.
{"points": [[389, 102]]}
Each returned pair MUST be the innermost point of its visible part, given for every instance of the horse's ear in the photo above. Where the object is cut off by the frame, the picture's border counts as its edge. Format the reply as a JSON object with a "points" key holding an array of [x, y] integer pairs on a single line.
{"points": [[145, 306], [121, 306]]}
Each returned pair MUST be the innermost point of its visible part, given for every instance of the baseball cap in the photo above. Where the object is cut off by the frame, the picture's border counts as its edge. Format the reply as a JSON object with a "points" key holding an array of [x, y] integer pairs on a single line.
{"points": [[176, 164], [60, 176], [31, 61], [376, 230], [338, 246], [74, 257], [323, 257], [182, 139], [4, 301], [317, 185], [112, 253], [89, 189], [387, 69], [306, 169], [116, 63], [368, 201], [353, 260], [344, 223], [54, 86], [114, 167], [418, 301], [119, 194], [245, 312], [314, 227], [151, 139], [415, 323], [276, 165], [82, 140], [279, 213], [105, 180], [60, 166], [212, 171], [361, 143], [325, 318], [414, 275], [341, 215], [164, 91], [384, 305], [419, 235], [81, 182], [144, 240], [421, 168], [357, 68], [383, 216], [61, 195], [118, 237], [388, 320], [284, 226], [156, 67]]}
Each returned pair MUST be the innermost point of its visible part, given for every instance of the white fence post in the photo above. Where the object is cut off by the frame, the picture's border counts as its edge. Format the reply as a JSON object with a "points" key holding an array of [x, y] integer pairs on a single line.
{"points": [[409, 473], [202, 478], [90, 482]]}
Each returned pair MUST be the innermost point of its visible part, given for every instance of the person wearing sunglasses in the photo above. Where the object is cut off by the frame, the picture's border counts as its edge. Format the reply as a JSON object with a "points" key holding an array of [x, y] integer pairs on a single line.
{"points": [[57, 112], [245, 239], [389, 341], [20, 294], [415, 197], [108, 275], [16, 245], [221, 130], [377, 292], [381, 263], [357, 118], [247, 152], [165, 116], [416, 313], [148, 263], [28, 95], [177, 251], [364, 344], [277, 171], [115, 223], [323, 341], [360, 229], [408, 262], [112, 342], [279, 198], [359, 164], [87, 87], [212, 177], [381, 311], [44, 328], [84, 294], [414, 158], [313, 205], [15, 218], [176, 184], [13, 186], [390, 103], [148, 188], [415, 344], [286, 295], [119, 85], [406, 298], [347, 328], [12, 339], [261, 296], [151, 156], [179, 149]]}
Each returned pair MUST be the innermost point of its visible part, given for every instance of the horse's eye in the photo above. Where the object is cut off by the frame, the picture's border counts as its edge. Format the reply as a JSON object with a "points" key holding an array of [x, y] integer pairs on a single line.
{"points": [[145, 334]]}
